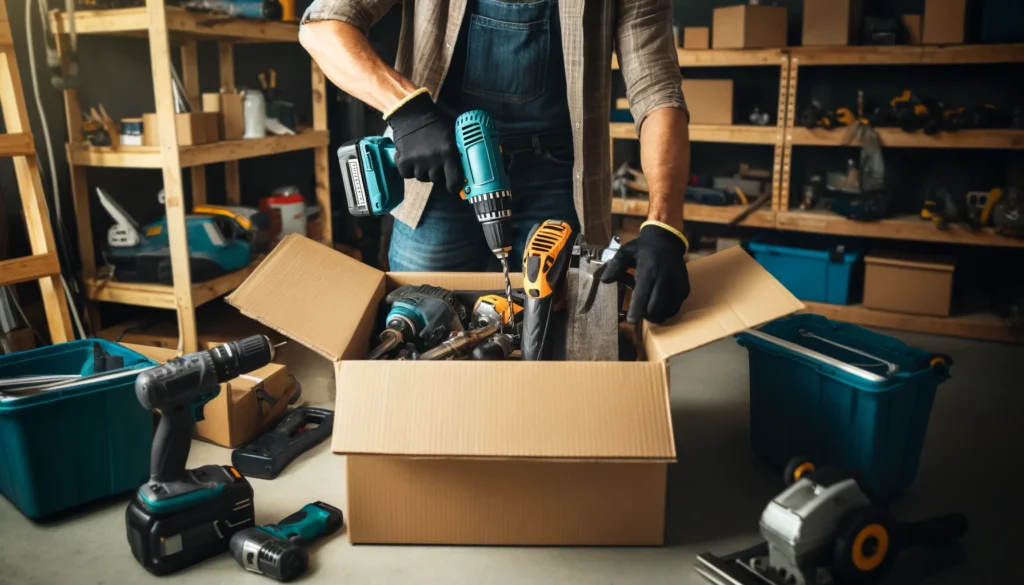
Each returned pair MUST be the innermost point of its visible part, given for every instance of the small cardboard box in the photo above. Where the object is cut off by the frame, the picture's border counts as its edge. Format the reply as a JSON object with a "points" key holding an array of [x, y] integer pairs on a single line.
{"points": [[945, 22], [749, 27], [831, 22], [193, 128], [709, 100], [245, 406], [696, 38], [908, 283], [912, 28], [229, 105], [468, 452]]}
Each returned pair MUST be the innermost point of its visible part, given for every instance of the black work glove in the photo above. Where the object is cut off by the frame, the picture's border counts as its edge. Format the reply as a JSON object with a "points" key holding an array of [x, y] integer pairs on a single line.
{"points": [[662, 283], [425, 143]]}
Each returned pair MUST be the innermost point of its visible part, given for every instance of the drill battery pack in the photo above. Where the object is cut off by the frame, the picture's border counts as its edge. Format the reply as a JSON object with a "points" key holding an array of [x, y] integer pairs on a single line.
{"points": [[165, 542], [267, 455]]}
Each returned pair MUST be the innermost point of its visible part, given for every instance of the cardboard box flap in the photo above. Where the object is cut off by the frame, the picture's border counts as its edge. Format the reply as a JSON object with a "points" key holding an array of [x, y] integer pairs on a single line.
{"points": [[312, 294], [503, 410], [729, 292]]}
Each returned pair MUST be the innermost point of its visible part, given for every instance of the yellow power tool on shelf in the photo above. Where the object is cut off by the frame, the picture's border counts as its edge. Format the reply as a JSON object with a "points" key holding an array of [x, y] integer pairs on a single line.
{"points": [[545, 265]]}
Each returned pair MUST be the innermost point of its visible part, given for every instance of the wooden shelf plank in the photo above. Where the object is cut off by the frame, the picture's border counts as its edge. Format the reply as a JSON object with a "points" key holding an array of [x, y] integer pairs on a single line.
{"points": [[148, 157], [903, 228], [908, 55], [161, 296], [696, 212], [727, 133], [19, 144], [28, 268], [724, 57], [896, 138], [986, 326], [181, 23]]}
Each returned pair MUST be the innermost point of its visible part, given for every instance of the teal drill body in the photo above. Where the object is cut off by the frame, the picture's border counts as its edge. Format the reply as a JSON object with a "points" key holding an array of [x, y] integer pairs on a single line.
{"points": [[374, 187], [277, 550]]}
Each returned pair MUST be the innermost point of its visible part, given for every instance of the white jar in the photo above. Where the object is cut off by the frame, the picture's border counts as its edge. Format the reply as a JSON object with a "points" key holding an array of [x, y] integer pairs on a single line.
{"points": [[254, 114]]}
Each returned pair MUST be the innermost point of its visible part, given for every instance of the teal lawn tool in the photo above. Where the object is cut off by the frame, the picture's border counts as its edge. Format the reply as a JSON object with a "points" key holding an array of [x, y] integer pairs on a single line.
{"points": [[219, 242]]}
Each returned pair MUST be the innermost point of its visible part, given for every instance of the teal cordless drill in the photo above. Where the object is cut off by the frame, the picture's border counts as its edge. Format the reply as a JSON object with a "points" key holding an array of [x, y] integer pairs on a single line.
{"points": [[374, 187], [182, 516], [277, 550]]}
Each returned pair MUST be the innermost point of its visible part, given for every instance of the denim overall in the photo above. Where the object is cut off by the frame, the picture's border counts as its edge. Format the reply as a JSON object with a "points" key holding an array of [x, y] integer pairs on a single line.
{"points": [[508, 62]]}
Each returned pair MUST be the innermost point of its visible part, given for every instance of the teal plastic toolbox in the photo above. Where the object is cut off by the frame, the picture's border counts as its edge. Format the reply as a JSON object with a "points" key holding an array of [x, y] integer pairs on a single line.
{"points": [[840, 394], [811, 269], [62, 448]]}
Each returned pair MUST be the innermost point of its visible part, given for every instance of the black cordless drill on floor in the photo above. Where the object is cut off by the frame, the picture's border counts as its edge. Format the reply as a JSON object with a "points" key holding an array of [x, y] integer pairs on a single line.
{"points": [[182, 516]]}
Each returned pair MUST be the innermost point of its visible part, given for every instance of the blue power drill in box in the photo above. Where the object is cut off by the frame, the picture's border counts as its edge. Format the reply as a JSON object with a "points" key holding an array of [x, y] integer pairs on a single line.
{"points": [[374, 187]]}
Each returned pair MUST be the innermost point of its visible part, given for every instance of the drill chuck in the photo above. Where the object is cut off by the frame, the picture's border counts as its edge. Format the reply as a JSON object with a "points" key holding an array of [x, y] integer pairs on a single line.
{"points": [[493, 211], [238, 357]]}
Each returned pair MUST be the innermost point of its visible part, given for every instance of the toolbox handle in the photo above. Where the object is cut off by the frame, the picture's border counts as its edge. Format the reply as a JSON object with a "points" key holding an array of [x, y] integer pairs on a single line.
{"points": [[817, 356]]}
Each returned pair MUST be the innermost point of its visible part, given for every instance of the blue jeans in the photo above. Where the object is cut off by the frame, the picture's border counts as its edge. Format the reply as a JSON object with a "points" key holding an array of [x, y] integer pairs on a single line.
{"points": [[449, 237]]}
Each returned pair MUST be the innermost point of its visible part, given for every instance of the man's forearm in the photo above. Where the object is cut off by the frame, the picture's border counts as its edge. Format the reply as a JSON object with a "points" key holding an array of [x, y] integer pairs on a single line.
{"points": [[346, 57], [665, 159]]}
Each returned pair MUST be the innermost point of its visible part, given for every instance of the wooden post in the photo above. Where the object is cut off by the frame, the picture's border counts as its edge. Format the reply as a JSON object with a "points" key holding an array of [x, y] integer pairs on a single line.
{"points": [[190, 79], [232, 186], [787, 155], [321, 158], [160, 57], [33, 200], [781, 123]]}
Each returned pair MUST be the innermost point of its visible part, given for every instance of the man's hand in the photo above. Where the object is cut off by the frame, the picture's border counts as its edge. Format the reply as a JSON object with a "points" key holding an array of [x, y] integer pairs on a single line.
{"points": [[662, 284], [425, 143]]}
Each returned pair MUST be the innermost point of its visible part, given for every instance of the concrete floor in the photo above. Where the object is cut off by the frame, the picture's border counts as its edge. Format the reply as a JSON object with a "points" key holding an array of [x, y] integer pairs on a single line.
{"points": [[975, 433]]}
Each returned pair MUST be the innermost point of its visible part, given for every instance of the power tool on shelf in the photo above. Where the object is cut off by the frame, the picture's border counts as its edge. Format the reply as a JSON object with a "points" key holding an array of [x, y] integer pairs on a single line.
{"points": [[278, 550], [423, 314], [218, 243], [823, 530], [545, 265], [374, 187], [182, 516]]}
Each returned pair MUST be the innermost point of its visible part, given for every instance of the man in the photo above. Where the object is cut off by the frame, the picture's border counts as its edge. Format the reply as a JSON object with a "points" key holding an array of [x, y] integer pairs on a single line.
{"points": [[542, 70]]}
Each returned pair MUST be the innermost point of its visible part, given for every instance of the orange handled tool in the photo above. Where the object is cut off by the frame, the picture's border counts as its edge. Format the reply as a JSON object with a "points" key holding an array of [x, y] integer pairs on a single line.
{"points": [[545, 265]]}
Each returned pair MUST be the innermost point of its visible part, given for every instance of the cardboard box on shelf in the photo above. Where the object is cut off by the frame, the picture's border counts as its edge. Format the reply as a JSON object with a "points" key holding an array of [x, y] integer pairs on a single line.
{"points": [[908, 283], [229, 105], [911, 28], [696, 38], [245, 406], [709, 100], [945, 22], [749, 27], [193, 128], [465, 452], [831, 22]]}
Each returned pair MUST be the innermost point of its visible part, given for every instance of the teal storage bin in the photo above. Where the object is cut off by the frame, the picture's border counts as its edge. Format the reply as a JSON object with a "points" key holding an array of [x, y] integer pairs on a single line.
{"points": [[63, 448], [803, 404], [812, 272]]}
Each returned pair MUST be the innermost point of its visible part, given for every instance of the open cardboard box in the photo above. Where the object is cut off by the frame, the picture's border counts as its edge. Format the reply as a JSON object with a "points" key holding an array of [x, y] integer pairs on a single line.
{"points": [[514, 453]]}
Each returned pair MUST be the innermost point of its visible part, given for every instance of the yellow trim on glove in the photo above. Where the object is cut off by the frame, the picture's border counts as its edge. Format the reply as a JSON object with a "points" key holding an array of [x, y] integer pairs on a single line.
{"points": [[405, 100], [669, 228]]}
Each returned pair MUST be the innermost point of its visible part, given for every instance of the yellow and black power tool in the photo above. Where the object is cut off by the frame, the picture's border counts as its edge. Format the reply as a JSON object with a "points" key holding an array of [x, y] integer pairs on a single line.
{"points": [[545, 265]]}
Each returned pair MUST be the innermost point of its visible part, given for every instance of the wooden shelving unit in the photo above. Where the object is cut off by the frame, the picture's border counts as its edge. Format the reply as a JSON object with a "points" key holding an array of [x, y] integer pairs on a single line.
{"points": [[166, 26], [899, 228], [697, 212], [986, 326], [896, 138], [780, 217]]}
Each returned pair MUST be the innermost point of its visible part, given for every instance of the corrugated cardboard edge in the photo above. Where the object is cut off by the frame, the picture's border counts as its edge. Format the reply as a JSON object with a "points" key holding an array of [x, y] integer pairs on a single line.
{"points": [[730, 292], [291, 248], [915, 261], [382, 409]]}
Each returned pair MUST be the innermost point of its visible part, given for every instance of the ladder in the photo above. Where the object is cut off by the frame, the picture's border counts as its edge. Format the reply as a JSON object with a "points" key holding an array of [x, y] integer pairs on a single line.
{"points": [[43, 265]]}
